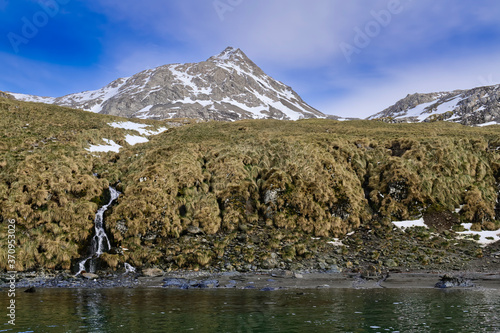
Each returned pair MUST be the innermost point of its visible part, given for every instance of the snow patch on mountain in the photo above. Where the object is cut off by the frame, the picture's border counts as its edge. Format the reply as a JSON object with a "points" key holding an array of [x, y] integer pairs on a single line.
{"points": [[488, 124], [143, 129], [111, 146], [228, 86], [135, 139], [144, 112], [485, 237], [469, 107], [32, 98]]}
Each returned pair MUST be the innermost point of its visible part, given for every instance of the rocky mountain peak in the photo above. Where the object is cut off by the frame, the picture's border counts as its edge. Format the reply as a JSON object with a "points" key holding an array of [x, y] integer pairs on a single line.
{"points": [[231, 54], [227, 86]]}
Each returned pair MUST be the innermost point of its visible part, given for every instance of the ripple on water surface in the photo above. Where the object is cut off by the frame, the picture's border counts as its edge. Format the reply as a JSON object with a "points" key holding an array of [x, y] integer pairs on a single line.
{"points": [[326, 310]]}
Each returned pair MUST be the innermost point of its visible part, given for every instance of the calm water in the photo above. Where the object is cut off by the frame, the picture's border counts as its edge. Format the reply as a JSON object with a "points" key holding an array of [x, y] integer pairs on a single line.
{"points": [[334, 310]]}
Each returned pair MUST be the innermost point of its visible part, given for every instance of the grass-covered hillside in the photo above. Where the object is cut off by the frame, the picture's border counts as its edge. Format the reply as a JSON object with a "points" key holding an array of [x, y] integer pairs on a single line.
{"points": [[248, 193], [225, 193], [46, 180]]}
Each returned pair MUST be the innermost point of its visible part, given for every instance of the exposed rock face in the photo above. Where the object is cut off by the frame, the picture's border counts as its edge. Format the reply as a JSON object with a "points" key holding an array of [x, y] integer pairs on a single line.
{"points": [[228, 86], [469, 107], [5, 95]]}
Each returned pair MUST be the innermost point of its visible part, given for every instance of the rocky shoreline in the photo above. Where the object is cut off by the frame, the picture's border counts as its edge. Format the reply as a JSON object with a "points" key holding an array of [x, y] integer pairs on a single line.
{"points": [[365, 259], [270, 280]]}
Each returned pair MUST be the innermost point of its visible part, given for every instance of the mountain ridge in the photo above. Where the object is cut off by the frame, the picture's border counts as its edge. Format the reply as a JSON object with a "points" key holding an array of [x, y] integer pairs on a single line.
{"points": [[475, 106], [227, 86]]}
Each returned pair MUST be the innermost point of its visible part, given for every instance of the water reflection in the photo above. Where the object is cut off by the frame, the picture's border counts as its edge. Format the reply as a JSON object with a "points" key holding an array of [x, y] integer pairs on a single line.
{"points": [[90, 307], [161, 310]]}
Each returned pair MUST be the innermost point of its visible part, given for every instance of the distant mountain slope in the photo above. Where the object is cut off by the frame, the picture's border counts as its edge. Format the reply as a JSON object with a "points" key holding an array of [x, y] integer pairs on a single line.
{"points": [[5, 95], [469, 107], [228, 86]]}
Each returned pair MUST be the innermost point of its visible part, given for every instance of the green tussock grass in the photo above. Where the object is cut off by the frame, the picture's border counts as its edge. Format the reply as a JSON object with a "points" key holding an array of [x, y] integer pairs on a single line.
{"points": [[247, 188], [310, 177], [46, 179]]}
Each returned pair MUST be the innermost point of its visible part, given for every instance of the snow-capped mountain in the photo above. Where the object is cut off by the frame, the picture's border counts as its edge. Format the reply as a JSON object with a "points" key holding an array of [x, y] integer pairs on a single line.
{"points": [[228, 86], [469, 107]]}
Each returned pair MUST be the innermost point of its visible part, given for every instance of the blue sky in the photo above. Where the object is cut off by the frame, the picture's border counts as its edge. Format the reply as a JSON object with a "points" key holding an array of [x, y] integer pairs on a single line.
{"points": [[349, 58]]}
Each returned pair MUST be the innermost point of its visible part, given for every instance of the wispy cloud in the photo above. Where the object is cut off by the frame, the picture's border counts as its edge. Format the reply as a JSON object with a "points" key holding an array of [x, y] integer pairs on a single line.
{"points": [[425, 45], [362, 97]]}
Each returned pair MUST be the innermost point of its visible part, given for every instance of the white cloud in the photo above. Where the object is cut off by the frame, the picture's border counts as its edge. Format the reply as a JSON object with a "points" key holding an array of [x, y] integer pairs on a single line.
{"points": [[366, 97], [137, 60], [290, 34], [281, 32], [295, 32], [284, 32], [420, 50]]}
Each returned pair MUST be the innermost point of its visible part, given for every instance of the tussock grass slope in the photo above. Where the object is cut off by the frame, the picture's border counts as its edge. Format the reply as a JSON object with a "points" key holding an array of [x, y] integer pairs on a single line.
{"points": [[46, 180], [213, 194], [282, 182]]}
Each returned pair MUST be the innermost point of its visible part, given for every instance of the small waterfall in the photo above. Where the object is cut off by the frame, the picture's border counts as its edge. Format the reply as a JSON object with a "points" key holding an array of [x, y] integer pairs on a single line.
{"points": [[100, 242]]}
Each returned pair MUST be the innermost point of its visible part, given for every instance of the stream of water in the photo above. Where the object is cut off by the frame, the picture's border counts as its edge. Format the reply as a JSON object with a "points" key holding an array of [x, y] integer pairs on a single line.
{"points": [[100, 242]]}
